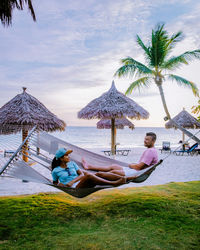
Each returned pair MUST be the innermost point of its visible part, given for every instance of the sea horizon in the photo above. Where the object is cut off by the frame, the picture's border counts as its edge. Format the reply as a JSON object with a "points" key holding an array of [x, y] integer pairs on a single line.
{"points": [[91, 137]]}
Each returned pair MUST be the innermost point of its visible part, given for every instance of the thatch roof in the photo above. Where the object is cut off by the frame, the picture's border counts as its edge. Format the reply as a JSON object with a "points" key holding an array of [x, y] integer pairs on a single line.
{"points": [[26, 111], [119, 123], [113, 104], [185, 120]]}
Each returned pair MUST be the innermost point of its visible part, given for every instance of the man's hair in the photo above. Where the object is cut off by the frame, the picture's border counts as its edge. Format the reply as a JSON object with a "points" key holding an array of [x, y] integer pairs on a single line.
{"points": [[153, 135]]}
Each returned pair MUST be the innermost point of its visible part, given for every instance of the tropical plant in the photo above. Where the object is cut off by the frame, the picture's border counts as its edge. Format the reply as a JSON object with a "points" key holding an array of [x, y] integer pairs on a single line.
{"points": [[196, 110], [7, 6], [159, 63]]}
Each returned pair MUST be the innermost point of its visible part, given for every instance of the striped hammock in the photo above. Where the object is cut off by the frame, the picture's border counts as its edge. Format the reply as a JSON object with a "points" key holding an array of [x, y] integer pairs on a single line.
{"points": [[42, 148]]}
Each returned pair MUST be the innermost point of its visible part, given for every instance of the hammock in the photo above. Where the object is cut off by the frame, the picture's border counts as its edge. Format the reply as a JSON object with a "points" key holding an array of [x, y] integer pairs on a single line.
{"points": [[17, 168]]}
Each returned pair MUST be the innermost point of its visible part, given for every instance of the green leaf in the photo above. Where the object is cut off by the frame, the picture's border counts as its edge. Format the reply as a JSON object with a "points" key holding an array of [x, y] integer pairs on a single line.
{"points": [[174, 63], [140, 83], [184, 82], [131, 67]]}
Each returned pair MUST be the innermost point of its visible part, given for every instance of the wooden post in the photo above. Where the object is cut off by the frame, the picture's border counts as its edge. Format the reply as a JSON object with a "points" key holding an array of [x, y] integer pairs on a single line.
{"points": [[113, 136], [38, 149], [183, 137], [25, 147]]}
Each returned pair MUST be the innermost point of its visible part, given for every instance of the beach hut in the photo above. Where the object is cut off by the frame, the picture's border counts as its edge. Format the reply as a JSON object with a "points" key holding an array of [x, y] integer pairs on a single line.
{"points": [[112, 105], [185, 120], [22, 113]]}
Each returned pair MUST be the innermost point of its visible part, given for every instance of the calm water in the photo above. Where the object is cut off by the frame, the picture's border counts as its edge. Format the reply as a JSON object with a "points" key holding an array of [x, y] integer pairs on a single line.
{"points": [[91, 137]]}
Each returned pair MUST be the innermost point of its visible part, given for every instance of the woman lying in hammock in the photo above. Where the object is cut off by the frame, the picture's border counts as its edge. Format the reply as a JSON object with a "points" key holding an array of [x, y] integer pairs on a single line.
{"points": [[67, 173]]}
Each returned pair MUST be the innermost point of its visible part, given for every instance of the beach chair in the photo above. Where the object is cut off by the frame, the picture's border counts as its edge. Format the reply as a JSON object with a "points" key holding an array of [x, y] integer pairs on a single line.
{"points": [[8, 152], [197, 151], [165, 147], [123, 152], [189, 151]]}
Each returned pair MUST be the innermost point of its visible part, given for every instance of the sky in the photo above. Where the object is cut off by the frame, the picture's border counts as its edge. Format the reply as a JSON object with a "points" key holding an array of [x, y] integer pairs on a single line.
{"points": [[69, 56]]}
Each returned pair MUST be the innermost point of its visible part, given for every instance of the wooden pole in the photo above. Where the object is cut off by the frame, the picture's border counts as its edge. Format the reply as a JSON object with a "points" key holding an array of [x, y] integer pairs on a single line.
{"points": [[113, 136], [38, 149], [25, 147], [183, 137]]}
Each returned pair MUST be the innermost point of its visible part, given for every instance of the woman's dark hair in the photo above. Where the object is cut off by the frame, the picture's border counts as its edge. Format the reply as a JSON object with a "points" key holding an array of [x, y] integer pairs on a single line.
{"points": [[55, 163]]}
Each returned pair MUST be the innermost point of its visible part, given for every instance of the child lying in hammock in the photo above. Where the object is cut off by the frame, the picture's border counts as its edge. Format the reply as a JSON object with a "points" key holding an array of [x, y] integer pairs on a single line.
{"points": [[67, 173], [114, 172]]}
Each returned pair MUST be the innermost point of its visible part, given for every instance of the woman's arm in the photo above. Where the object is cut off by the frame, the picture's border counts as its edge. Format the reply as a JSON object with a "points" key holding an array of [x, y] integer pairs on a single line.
{"points": [[55, 177], [80, 173]]}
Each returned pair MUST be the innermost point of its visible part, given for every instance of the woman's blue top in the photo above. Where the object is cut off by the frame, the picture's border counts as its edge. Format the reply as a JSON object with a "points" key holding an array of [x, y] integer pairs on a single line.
{"points": [[65, 175]]}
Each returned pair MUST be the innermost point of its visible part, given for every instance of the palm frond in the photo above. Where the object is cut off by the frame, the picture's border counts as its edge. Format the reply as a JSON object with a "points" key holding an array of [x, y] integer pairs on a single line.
{"points": [[140, 42], [174, 63], [7, 7], [159, 46], [184, 82], [140, 83], [147, 53], [174, 39], [190, 55], [30, 6], [131, 67], [126, 70]]}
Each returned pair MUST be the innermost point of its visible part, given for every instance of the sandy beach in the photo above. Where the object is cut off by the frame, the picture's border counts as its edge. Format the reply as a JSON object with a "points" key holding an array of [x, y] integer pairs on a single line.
{"points": [[173, 169]]}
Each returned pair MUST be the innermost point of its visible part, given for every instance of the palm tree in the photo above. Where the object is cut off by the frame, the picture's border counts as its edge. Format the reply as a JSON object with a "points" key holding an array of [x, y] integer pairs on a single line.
{"points": [[196, 110], [159, 63], [7, 6]]}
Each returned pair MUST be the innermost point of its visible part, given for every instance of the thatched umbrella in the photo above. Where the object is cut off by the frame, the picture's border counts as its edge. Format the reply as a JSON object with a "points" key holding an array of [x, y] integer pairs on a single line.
{"points": [[119, 123], [23, 112], [112, 105], [185, 120]]}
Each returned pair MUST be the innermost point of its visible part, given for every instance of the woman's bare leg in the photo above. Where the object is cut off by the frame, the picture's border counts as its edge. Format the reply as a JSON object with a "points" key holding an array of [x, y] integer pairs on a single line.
{"points": [[118, 172], [91, 180], [100, 168], [108, 176]]}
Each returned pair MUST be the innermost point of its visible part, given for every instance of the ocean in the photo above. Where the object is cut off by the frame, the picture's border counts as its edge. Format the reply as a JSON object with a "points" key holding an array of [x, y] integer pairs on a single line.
{"points": [[91, 137]]}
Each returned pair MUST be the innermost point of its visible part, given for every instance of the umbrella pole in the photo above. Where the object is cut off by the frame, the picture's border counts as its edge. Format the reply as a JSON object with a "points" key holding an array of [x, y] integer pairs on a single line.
{"points": [[113, 136], [183, 137], [25, 147], [183, 140], [38, 149]]}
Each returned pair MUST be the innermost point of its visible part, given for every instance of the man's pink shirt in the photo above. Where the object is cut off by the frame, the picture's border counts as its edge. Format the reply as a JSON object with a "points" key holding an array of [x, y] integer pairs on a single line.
{"points": [[149, 156]]}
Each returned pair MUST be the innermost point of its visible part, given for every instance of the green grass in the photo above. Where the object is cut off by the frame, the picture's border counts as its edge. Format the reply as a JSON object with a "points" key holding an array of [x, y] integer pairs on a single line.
{"points": [[155, 217]]}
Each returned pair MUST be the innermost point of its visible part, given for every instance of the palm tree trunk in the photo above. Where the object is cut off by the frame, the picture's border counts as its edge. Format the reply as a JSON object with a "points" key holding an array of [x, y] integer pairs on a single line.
{"points": [[163, 100], [159, 84]]}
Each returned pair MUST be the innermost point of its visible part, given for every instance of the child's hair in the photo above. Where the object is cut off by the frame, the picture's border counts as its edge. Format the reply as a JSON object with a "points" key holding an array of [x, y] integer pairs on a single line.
{"points": [[55, 163], [153, 135]]}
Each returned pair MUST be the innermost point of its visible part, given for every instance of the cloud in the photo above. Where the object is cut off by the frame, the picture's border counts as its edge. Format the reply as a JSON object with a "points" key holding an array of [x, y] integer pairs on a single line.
{"points": [[69, 56]]}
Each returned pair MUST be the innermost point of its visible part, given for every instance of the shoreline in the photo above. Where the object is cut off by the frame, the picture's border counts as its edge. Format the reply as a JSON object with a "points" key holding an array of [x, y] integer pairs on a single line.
{"points": [[173, 169]]}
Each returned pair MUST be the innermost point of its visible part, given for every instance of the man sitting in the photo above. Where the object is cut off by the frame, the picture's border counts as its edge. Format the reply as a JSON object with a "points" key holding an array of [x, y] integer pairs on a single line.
{"points": [[112, 172]]}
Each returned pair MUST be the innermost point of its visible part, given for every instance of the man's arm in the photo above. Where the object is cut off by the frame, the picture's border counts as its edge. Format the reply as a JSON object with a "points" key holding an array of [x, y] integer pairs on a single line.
{"points": [[138, 166]]}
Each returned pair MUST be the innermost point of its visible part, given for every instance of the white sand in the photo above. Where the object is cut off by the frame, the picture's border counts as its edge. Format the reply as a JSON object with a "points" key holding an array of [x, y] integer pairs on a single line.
{"points": [[173, 169]]}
